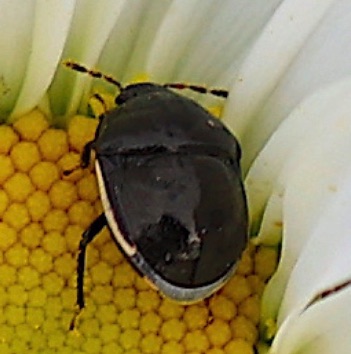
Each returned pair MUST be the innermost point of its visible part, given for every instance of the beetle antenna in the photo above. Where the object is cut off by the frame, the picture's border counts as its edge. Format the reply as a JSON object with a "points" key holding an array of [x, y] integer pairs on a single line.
{"points": [[94, 73], [198, 89]]}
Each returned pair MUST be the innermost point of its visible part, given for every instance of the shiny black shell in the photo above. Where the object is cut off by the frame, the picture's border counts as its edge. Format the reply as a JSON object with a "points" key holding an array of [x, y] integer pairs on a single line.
{"points": [[170, 177]]}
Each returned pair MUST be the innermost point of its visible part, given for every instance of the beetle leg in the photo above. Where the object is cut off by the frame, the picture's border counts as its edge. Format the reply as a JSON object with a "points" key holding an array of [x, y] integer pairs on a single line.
{"points": [[100, 103], [86, 154], [84, 158], [87, 236]]}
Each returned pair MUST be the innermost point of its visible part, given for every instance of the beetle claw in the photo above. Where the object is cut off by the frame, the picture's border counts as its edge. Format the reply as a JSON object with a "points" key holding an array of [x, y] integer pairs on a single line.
{"points": [[66, 173], [73, 323]]}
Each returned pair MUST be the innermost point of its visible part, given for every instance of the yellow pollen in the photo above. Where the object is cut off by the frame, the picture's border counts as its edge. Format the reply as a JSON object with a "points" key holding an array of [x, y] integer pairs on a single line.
{"points": [[8, 138], [44, 174], [31, 126], [219, 333], [6, 168], [173, 329], [38, 205], [25, 155], [53, 144], [238, 346]]}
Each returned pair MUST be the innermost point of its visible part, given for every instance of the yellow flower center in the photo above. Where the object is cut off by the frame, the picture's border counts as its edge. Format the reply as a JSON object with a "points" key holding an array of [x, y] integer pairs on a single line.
{"points": [[43, 215]]}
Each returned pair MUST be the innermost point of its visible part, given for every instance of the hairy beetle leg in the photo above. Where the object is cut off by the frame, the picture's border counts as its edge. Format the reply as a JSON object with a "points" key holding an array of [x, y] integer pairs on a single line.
{"points": [[87, 236]]}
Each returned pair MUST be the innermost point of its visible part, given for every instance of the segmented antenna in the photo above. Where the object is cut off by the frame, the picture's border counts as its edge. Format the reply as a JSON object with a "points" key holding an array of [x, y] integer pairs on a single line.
{"points": [[198, 89], [176, 85], [94, 73]]}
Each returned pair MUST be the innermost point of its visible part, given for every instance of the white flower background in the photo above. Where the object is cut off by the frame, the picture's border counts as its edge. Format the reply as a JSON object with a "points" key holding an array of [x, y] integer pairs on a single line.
{"points": [[287, 65]]}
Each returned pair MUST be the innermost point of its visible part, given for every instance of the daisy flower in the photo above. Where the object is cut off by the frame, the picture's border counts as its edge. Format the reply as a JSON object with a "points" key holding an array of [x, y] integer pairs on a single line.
{"points": [[285, 65]]}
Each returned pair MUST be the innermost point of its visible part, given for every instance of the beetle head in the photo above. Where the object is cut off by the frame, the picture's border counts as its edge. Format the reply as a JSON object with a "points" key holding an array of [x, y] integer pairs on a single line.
{"points": [[139, 89]]}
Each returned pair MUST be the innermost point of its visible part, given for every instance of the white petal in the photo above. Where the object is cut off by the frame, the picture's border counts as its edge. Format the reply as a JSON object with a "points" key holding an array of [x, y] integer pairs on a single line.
{"points": [[92, 24], [170, 46], [52, 20], [267, 176], [200, 40], [16, 22], [313, 166], [323, 328], [126, 50], [120, 45], [279, 57], [153, 37], [324, 262], [226, 37], [147, 29]]}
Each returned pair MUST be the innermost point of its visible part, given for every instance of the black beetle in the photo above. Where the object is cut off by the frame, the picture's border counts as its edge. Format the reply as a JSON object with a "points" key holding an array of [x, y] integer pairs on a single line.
{"points": [[170, 183]]}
